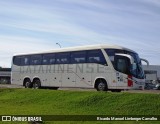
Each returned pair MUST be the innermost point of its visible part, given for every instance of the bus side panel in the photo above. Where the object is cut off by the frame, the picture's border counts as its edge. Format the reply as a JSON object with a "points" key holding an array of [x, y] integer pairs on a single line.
{"points": [[83, 75], [16, 75], [104, 72], [122, 80]]}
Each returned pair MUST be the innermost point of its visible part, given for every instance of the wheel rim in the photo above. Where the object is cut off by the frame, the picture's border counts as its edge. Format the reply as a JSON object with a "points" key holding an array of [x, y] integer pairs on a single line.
{"points": [[101, 86], [36, 86], [27, 84]]}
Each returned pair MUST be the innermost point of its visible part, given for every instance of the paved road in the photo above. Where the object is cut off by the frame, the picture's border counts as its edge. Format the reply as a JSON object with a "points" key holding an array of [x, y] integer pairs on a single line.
{"points": [[81, 89], [10, 86]]}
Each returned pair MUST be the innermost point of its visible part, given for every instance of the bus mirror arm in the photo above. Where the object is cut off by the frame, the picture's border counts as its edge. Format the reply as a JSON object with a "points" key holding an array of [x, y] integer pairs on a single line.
{"points": [[145, 61]]}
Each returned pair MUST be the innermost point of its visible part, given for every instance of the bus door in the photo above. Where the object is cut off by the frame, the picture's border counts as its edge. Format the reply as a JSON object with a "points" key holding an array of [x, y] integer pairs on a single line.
{"points": [[122, 65]]}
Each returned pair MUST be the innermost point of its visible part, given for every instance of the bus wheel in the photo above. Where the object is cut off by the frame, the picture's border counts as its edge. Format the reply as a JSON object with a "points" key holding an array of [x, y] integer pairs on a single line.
{"points": [[101, 85], [36, 84], [28, 84]]}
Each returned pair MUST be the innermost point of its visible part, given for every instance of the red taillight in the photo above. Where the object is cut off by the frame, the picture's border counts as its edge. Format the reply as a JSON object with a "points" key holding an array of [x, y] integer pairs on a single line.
{"points": [[130, 82]]}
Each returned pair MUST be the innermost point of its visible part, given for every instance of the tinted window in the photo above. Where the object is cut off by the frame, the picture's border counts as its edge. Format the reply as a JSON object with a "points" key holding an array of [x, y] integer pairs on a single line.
{"points": [[111, 53], [122, 64], [62, 58], [48, 59], [17, 60], [96, 56], [25, 60], [36, 59], [78, 57]]}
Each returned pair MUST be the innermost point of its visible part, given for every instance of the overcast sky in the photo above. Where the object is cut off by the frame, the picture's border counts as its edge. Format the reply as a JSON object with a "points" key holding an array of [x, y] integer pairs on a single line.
{"points": [[37, 25]]}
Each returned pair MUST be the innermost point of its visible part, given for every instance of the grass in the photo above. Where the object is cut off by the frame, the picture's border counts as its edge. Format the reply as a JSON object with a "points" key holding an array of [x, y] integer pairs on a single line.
{"points": [[50, 102]]}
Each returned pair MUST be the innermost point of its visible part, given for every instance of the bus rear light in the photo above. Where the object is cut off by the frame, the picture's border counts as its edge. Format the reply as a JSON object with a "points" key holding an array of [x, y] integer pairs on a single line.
{"points": [[130, 82]]}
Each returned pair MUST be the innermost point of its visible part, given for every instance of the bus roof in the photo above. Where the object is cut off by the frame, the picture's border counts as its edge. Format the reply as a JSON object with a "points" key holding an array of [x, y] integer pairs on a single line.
{"points": [[79, 48]]}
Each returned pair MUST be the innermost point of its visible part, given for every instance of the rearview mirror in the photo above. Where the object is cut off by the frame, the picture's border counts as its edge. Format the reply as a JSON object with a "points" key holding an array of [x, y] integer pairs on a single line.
{"points": [[145, 61]]}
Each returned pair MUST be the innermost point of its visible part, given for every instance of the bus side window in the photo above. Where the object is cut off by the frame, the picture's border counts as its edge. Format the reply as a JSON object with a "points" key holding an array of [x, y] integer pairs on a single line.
{"points": [[78, 57], [17, 60], [36, 60], [48, 59], [122, 64], [25, 60], [96, 56], [111, 54], [63, 58]]}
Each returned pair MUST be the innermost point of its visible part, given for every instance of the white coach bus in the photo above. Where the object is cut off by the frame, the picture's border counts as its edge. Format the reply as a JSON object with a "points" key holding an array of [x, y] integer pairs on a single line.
{"points": [[102, 67]]}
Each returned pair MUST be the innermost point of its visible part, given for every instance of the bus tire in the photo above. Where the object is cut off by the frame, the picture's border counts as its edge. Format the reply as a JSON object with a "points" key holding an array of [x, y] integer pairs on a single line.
{"points": [[36, 84], [28, 83], [101, 85]]}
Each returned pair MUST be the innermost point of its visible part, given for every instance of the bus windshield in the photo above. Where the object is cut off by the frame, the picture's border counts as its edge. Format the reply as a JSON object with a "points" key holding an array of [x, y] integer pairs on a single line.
{"points": [[136, 69]]}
